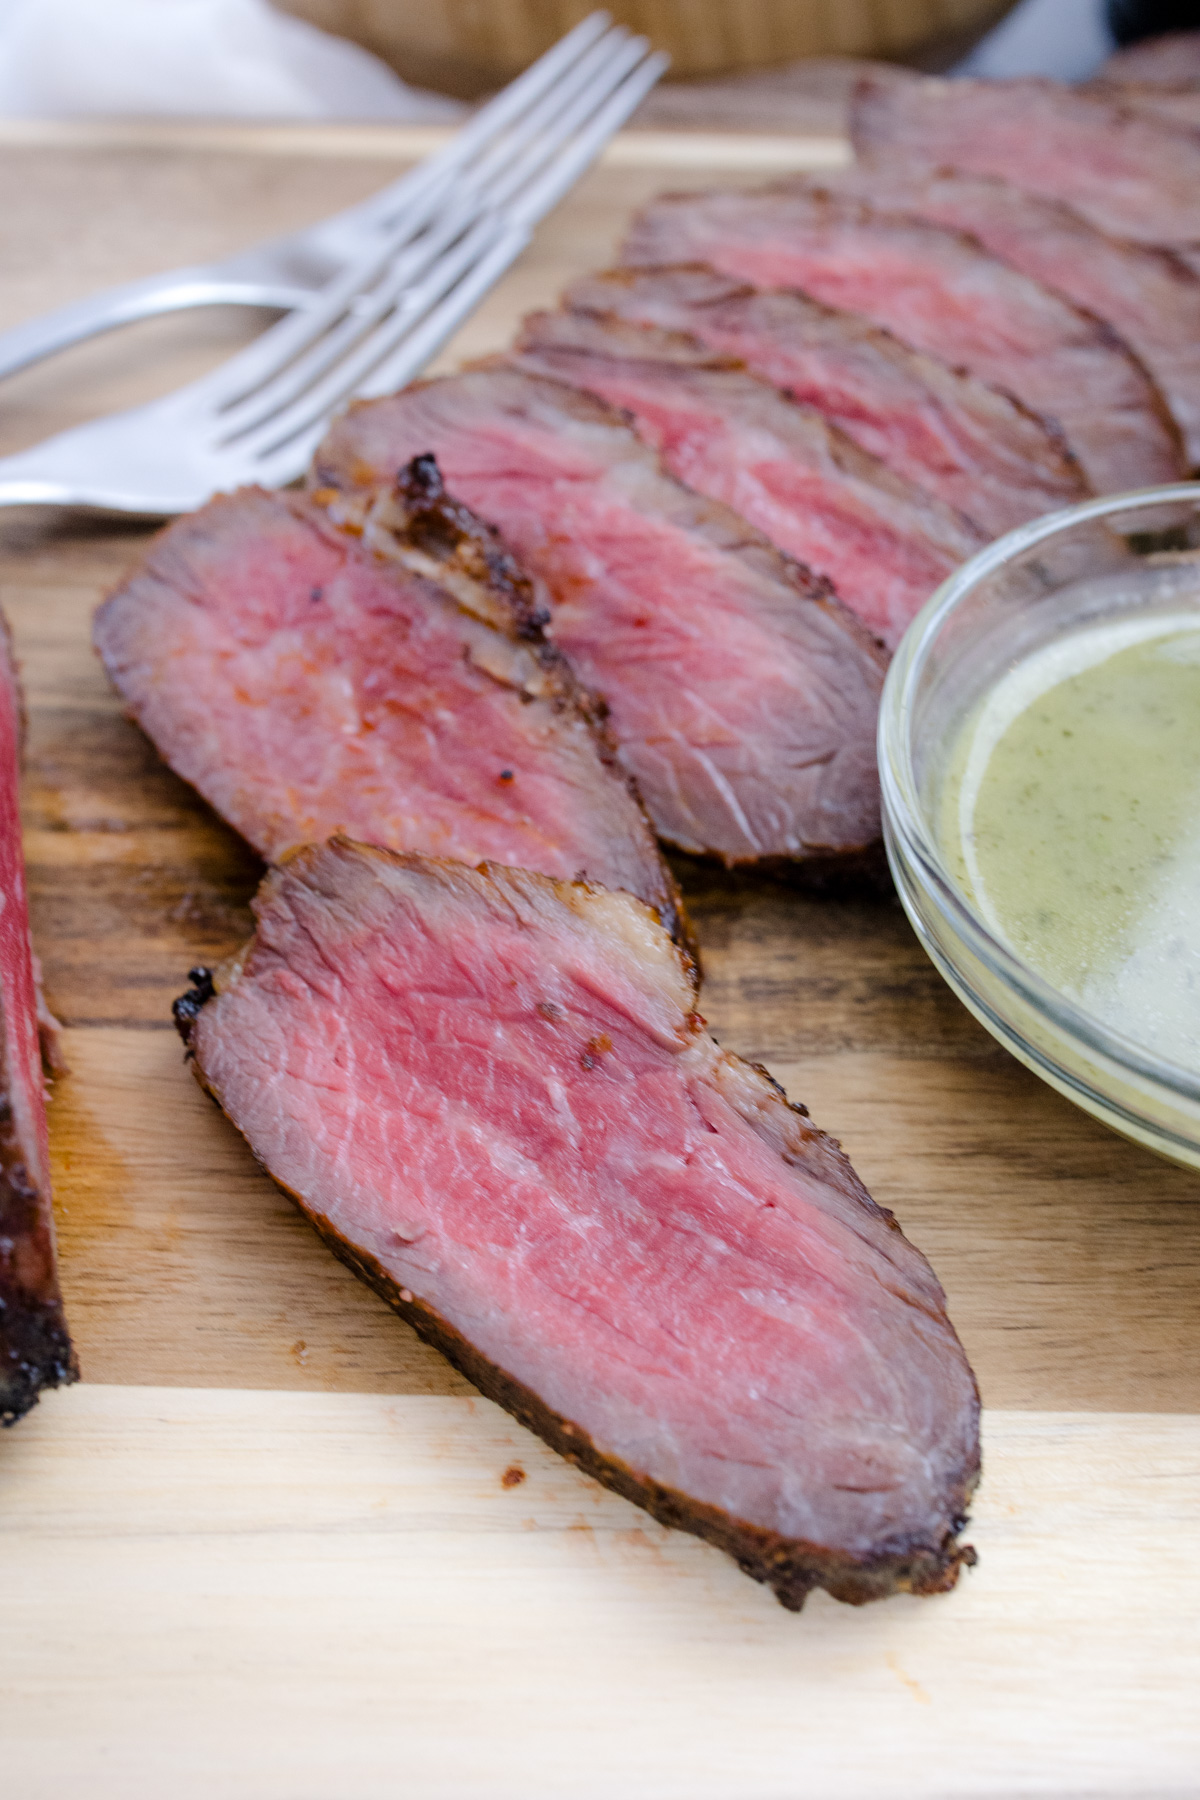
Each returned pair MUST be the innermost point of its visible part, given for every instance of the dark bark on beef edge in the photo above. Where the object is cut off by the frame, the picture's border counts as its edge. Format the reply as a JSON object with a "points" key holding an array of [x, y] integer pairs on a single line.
{"points": [[35, 1350], [836, 875], [790, 1567], [448, 530]]}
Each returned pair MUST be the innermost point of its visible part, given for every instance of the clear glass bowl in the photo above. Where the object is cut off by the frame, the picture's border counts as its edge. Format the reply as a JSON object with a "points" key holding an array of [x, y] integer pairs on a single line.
{"points": [[1107, 558]]}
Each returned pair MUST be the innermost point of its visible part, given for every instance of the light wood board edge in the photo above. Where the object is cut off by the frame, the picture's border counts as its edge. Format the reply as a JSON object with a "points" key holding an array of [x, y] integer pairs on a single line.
{"points": [[405, 143], [283, 1595]]}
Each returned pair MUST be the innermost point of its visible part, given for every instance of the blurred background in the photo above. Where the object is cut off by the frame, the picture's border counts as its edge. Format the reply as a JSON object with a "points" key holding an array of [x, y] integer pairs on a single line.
{"points": [[739, 64], [465, 47]]}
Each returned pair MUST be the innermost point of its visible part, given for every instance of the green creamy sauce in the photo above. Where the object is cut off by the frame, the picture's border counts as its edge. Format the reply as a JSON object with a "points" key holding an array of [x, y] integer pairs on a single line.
{"points": [[1071, 815]]}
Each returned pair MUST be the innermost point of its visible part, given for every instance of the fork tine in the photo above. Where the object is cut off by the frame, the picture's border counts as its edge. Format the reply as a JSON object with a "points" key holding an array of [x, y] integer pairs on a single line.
{"points": [[454, 285], [268, 358], [597, 73], [286, 440], [426, 336], [557, 118], [175, 452], [382, 208]]}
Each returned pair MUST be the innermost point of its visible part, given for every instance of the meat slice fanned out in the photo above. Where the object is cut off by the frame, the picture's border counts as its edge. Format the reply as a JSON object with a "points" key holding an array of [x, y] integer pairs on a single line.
{"points": [[741, 694], [1177, 108], [941, 292], [377, 667], [1150, 298], [884, 544], [1129, 175], [35, 1350], [969, 445], [492, 1095]]}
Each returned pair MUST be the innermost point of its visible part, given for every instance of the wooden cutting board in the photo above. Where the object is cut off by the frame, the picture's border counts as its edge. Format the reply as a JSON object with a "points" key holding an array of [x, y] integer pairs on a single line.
{"points": [[267, 1546]]}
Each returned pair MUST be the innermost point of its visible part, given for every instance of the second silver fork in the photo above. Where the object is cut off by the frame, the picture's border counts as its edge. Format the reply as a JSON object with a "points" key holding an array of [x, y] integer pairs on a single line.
{"points": [[259, 417], [289, 272]]}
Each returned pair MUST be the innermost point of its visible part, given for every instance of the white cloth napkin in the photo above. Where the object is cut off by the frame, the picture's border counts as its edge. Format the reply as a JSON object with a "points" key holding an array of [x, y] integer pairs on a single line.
{"points": [[214, 58]]}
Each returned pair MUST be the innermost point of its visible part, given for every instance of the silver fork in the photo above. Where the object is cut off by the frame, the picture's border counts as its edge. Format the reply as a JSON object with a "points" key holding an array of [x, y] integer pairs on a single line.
{"points": [[290, 272], [259, 417]]}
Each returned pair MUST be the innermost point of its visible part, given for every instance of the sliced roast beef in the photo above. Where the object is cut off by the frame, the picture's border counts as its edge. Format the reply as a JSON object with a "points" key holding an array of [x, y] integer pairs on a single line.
{"points": [[742, 695], [492, 1095], [1147, 295], [378, 668], [1172, 58], [941, 292], [972, 447], [884, 544], [1178, 108], [1132, 176], [35, 1350]]}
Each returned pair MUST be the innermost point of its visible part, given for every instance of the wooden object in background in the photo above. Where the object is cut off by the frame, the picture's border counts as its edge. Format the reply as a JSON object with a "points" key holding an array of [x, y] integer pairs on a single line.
{"points": [[469, 46]]}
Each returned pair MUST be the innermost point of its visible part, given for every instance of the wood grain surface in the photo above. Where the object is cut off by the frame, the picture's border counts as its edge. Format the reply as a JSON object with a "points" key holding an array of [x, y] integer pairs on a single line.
{"points": [[269, 1596], [1072, 1259]]}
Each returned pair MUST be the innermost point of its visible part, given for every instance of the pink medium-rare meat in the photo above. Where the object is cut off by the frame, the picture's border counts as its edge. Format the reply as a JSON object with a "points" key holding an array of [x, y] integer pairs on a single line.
{"points": [[883, 543], [741, 694], [1146, 295], [1178, 108], [1172, 59], [378, 668], [970, 446], [492, 1095], [941, 292], [35, 1350], [1129, 175]]}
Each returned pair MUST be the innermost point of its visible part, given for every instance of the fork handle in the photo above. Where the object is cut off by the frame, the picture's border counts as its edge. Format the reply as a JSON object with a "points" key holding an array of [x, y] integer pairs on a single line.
{"points": [[19, 490], [173, 292]]}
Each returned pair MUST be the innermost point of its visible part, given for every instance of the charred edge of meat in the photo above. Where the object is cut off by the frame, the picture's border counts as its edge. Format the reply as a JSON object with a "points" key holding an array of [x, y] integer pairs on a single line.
{"points": [[186, 1010], [853, 874], [447, 530], [35, 1348], [450, 532], [790, 1567]]}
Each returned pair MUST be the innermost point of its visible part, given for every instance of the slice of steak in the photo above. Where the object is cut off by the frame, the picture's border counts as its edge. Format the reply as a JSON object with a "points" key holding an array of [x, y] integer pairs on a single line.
{"points": [[941, 292], [974, 448], [1129, 175], [1177, 107], [741, 694], [491, 1094], [378, 668], [883, 543], [35, 1350], [1147, 295]]}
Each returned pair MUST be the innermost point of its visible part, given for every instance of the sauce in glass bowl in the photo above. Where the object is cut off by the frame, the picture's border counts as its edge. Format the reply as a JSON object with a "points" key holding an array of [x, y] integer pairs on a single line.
{"points": [[1039, 761], [1070, 816]]}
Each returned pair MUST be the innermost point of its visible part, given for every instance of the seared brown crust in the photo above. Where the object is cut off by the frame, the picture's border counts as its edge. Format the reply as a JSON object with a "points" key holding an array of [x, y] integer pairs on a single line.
{"points": [[418, 513], [35, 1351], [790, 1567]]}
